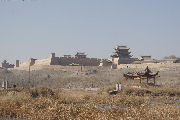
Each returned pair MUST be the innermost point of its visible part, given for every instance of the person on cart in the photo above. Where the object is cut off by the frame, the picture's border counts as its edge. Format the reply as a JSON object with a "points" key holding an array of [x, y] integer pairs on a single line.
{"points": [[147, 71]]}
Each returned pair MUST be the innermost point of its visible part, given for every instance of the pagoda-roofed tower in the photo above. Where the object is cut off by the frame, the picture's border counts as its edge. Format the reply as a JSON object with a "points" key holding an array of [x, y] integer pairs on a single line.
{"points": [[121, 52]]}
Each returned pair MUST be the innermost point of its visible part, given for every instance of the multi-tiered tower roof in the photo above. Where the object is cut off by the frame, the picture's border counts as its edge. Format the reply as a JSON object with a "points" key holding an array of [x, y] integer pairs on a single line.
{"points": [[121, 52]]}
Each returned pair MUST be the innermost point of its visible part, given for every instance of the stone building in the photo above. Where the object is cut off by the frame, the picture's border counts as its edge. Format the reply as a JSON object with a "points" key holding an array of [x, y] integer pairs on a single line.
{"points": [[122, 55], [5, 64], [80, 55], [170, 59], [177, 60], [147, 59]]}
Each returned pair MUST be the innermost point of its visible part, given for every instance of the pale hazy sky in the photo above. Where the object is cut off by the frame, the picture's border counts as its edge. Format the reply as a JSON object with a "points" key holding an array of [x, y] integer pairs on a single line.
{"points": [[35, 28]]}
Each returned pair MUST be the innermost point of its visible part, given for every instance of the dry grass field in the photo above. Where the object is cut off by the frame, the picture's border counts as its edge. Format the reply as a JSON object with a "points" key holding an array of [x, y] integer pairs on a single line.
{"points": [[46, 104], [58, 92]]}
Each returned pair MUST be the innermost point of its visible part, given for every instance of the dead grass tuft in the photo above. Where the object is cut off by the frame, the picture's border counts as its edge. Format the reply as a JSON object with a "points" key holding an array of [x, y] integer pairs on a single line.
{"points": [[41, 92]]}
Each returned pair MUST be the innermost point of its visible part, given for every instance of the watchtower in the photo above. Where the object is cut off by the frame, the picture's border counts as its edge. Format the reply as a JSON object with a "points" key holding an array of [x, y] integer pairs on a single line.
{"points": [[17, 63], [53, 55]]}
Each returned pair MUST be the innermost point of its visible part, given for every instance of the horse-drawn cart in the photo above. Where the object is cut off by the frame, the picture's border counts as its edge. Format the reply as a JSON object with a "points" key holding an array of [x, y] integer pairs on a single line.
{"points": [[142, 75]]}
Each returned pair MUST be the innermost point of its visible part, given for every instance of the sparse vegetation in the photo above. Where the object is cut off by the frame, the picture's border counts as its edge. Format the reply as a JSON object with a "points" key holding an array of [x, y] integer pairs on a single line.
{"points": [[45, 103], [62, 95]]}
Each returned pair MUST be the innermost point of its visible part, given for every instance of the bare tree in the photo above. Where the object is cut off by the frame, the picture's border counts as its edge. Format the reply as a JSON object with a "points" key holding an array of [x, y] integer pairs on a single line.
{"points": [[170, 57]]}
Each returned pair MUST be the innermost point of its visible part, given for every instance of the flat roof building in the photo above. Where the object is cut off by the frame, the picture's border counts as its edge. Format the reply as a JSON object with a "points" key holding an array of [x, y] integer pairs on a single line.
{"points": [[80, 55]]}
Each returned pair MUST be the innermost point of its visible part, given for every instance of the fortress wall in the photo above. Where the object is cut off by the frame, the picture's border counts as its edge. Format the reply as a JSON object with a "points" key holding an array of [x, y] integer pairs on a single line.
{"points": [[84, 61], [43, 62], [89, 61], [24, 64], [65, 61], [36, 62], [125, 60], [144, 65], [105, 62], [54, 61]]}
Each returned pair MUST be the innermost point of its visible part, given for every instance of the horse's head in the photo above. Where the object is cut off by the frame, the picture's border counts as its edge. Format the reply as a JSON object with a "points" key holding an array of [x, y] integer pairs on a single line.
{"points": [[157, 73]]}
